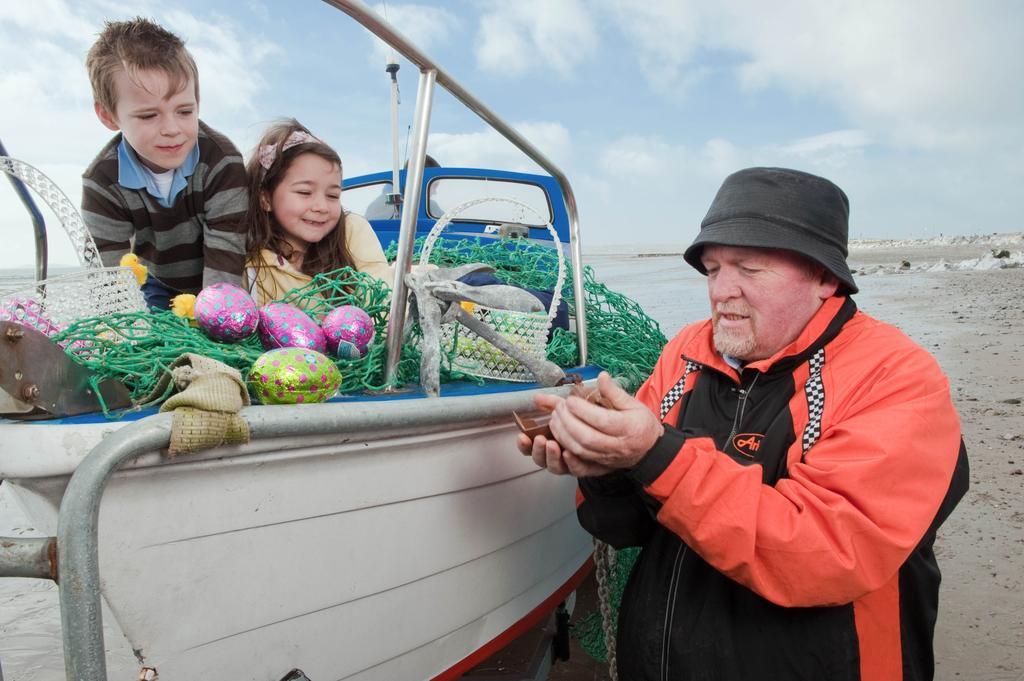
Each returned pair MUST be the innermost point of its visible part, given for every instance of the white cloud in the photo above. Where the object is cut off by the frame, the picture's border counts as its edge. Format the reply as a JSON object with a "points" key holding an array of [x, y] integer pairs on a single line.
{"points": [[829, 150], [517, 37], [44, 84], [648, 189], [60, 18], [915, 73], [259, 10], [652, 189], [636, 156], [666, 36], [488, 149], [838, 139], [228, 59], [502, 49], [721, 157], [425, 26], [635, 159]]}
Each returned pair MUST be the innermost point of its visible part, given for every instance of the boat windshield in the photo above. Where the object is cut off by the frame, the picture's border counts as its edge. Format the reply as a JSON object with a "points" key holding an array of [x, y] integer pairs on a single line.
{"points": [[370, 201], [444, 193], [447, 192]]}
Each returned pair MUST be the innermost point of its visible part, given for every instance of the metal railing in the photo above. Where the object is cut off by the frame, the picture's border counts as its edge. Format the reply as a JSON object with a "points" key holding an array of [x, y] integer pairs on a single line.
{"points": [[431, 73], [38, 224]]}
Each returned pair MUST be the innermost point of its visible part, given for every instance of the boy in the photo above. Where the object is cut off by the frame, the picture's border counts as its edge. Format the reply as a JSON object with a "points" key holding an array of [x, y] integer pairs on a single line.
{"points": [[167, 187]]}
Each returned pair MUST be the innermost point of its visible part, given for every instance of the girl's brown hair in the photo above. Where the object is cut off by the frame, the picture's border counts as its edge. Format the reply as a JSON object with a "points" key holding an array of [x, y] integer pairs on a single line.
{"points": [[262, 229]]}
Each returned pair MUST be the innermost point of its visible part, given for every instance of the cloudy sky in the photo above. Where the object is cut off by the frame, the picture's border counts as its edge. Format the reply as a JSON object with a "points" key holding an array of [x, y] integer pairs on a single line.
{"points": [[915, 108]]}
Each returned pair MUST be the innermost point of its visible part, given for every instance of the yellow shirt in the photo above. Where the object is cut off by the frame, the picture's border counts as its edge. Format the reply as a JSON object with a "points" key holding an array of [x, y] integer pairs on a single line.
{"points": [[275, 276]]}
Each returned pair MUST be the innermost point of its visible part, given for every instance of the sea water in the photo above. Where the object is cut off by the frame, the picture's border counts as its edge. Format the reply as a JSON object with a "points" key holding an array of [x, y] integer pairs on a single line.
{"points": [[667, 288], [19, 278]]}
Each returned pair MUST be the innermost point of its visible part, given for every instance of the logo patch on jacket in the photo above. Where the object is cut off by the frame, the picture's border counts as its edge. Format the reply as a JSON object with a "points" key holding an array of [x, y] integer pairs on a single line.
{"points": [[748, 444]]}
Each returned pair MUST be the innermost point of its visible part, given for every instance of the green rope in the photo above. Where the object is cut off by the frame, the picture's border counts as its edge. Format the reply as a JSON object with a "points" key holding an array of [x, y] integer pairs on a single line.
{"points": [[514, 260], [137, 348], [620, 337]]}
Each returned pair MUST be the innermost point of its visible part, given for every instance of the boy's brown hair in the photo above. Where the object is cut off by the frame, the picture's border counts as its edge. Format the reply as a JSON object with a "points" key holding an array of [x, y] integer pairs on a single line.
{"points": [[136, 45]]}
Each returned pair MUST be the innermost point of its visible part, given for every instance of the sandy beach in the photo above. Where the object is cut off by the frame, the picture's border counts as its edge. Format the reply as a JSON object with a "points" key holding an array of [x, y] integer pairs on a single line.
{"points": [[973, 322], [942, 293], [952, 296]]}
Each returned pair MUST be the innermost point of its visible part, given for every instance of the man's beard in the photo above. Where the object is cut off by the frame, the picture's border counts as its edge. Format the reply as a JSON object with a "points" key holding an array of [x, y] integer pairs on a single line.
{"points": [[735, 344]]}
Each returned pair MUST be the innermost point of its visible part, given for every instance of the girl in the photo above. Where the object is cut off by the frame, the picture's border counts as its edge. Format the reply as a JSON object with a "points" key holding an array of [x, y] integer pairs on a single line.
{"points": [[295, 224]]}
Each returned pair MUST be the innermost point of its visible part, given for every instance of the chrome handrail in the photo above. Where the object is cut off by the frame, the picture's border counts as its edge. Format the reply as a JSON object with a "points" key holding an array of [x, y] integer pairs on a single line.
{"points": [[379, 27], [407, 228], [38, 223]]}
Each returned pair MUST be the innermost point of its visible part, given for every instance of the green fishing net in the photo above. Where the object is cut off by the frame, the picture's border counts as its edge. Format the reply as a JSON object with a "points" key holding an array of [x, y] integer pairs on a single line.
{"points": [[138, 348], [620, 336]]}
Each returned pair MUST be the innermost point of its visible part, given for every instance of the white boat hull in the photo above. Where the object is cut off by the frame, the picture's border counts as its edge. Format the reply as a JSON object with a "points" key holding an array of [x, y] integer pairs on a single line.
{"points": [[360, 555]]}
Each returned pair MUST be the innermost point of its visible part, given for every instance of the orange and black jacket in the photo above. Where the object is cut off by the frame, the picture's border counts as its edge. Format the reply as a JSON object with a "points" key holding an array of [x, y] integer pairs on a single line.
{"points": [[787, 515]]}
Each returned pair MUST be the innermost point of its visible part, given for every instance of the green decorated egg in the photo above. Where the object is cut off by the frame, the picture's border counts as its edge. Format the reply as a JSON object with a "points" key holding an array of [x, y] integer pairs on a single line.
{"points": [[293, 376]]}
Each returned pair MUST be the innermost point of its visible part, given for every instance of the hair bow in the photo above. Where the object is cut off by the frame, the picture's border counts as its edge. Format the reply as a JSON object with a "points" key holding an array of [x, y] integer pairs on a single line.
{"points": [[268, 152]]}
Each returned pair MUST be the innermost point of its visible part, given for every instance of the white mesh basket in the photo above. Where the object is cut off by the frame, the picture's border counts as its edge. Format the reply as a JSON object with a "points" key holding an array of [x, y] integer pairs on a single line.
{"points": [[527, 330], [54, 303]]}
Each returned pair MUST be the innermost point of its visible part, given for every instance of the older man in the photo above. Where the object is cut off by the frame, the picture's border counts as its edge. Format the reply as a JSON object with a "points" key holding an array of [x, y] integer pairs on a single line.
{"points": [[784, 468]]}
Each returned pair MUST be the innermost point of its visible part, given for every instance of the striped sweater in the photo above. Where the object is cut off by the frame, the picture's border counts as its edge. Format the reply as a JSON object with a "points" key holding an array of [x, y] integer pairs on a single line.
{"points": [[197, 241]]}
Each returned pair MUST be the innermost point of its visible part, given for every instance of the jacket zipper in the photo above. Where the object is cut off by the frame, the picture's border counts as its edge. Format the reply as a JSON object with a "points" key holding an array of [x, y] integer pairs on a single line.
{"points": [[681, 550], [670, 609], [737, 418]]}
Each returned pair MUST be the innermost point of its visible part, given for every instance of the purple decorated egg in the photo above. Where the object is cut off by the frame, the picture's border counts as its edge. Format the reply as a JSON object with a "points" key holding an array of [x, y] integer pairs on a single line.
{"points": [[225, 312], [293, 376], [286, 326], [349, 331]]}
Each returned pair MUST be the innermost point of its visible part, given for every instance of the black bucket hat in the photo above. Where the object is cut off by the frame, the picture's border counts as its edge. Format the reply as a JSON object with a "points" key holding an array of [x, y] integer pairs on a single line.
{"points": [[780, 208]]}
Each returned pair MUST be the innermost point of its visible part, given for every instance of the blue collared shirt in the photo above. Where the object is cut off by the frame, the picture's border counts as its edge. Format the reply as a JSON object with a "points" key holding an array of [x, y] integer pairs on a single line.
{"points": [[133, 175]]}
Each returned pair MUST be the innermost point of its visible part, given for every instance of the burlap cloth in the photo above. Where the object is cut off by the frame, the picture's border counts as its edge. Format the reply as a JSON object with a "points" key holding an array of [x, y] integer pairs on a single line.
{"points": [[205, 410]]}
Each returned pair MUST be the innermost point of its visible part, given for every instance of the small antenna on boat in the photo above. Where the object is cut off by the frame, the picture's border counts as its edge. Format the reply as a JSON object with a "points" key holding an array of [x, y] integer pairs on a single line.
{"points": [[394, 199]]}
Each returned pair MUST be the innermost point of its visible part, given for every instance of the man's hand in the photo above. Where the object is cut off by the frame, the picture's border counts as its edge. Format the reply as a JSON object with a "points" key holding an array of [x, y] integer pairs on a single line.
{"points": [[591, 439], [548, 454]]}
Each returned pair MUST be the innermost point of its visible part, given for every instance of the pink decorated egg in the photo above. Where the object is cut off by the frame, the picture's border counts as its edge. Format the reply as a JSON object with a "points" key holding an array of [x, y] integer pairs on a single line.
{"points": [[225, 312], [286, 326], [349, 331], [293, 376]]}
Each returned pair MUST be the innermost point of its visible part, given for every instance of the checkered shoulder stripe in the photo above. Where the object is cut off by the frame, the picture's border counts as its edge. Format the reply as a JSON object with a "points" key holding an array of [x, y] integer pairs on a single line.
{"points": [[676, 391], [814, 390]]}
